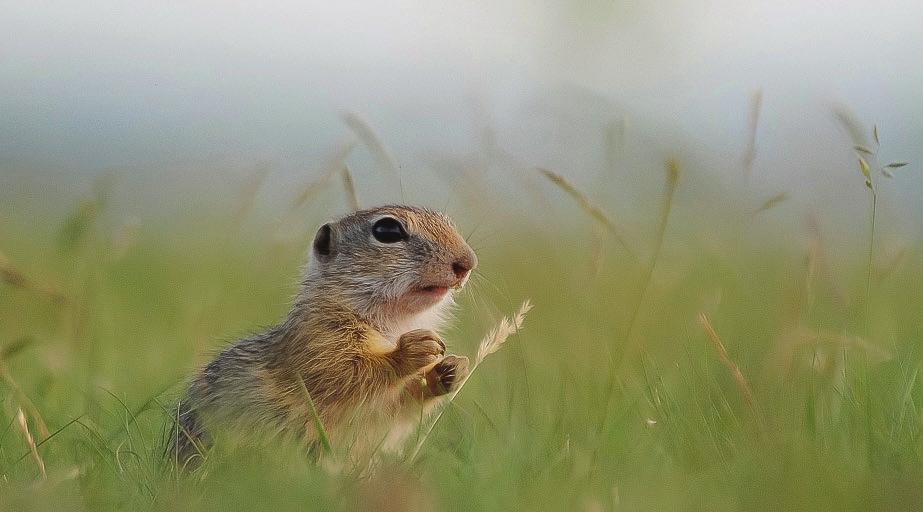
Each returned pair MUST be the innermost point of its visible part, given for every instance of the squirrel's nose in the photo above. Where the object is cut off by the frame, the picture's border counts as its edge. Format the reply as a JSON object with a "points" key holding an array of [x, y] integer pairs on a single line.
{"points": [[461, 268], [463, 265]]}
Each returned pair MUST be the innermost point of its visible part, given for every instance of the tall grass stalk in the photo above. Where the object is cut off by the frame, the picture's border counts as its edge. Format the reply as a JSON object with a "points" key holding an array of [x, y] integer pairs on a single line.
{"points": [[673, 174], [868, 279], [863, 151]]}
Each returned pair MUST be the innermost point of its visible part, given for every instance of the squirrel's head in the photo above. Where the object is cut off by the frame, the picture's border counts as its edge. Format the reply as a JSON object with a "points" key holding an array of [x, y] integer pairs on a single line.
{"points": [[392, 261]]}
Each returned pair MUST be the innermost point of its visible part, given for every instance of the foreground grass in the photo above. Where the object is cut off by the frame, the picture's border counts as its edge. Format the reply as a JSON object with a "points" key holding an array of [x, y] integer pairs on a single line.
{"points": [[824, 414]]}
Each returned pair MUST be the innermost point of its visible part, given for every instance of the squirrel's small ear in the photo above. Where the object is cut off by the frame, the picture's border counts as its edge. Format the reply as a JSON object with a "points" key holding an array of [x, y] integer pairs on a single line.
{"points": [[323, 241]]}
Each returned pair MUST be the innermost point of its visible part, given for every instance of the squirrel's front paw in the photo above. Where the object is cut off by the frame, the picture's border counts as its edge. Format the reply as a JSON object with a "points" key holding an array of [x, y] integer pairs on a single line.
{"points": [[416, 350], [447, 375]]}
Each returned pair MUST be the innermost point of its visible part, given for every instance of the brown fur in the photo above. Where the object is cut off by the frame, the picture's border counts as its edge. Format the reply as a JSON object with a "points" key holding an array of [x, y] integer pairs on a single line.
{"points": [[358, 337]]}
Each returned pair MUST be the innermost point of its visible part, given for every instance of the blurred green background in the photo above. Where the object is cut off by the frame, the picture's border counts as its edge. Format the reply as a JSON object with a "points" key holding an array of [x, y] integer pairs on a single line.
{"points": [[716, 324]]}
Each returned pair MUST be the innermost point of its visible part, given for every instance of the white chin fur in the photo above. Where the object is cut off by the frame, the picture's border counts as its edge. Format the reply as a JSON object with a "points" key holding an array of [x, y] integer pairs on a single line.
{"points": [[434, 317]]}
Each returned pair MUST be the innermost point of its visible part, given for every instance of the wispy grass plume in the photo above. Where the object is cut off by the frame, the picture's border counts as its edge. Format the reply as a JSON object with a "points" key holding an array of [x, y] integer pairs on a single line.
{"points": [[491, 343], [499, 334]]}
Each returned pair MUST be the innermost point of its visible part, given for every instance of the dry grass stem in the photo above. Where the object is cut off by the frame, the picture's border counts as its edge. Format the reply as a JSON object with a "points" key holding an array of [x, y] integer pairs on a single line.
{"points": [[23, 399], [587, 206], [23, 427], [772, 202], [821, 343], [597, 237], [350, 188], [311, 189], [822, 264], [756, 105], [333, 166], [7, 351], [742, 386], [125, 237], [886, 268], [370, 138], [248, 193], [615, 143], [673, 173], [17, 279], [287, 229], [849, 122], [11, 275]]}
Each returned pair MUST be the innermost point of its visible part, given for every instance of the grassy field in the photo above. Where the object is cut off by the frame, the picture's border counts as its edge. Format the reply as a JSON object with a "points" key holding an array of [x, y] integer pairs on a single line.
{"points": [[726, 376]]}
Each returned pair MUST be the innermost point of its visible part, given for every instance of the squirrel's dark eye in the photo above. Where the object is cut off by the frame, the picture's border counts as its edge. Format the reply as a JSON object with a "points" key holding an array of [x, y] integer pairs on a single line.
{"points": [[388, 230]]}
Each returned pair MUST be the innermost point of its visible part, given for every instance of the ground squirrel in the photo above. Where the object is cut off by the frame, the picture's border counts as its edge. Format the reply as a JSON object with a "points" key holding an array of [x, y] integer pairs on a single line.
{"points": [[360, 336]]}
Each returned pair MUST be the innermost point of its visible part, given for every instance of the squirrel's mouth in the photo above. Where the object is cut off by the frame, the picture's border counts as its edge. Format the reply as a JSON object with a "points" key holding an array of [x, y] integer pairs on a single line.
{"points": [[431, 291], [436, 290]]}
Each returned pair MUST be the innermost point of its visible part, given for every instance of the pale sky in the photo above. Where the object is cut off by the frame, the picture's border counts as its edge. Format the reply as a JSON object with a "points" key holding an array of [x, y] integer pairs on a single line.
{"points": [[93, 85]]}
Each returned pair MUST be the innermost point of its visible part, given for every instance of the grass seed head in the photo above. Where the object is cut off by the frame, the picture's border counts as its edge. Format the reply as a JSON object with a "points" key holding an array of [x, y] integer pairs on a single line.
{"points": [[23, 426], [503, 330]]}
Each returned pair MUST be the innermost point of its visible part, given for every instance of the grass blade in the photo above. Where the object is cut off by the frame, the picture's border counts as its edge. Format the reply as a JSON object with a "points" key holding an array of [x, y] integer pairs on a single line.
{"points": [[318, 424]]}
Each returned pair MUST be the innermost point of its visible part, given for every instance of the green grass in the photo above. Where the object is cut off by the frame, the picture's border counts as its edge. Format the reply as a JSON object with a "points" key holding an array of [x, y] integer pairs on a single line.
{"points": [[556, 420]]}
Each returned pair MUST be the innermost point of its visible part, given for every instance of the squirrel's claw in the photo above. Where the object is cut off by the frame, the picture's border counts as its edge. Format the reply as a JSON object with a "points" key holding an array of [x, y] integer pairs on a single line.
{"points": [[447, 375]]}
